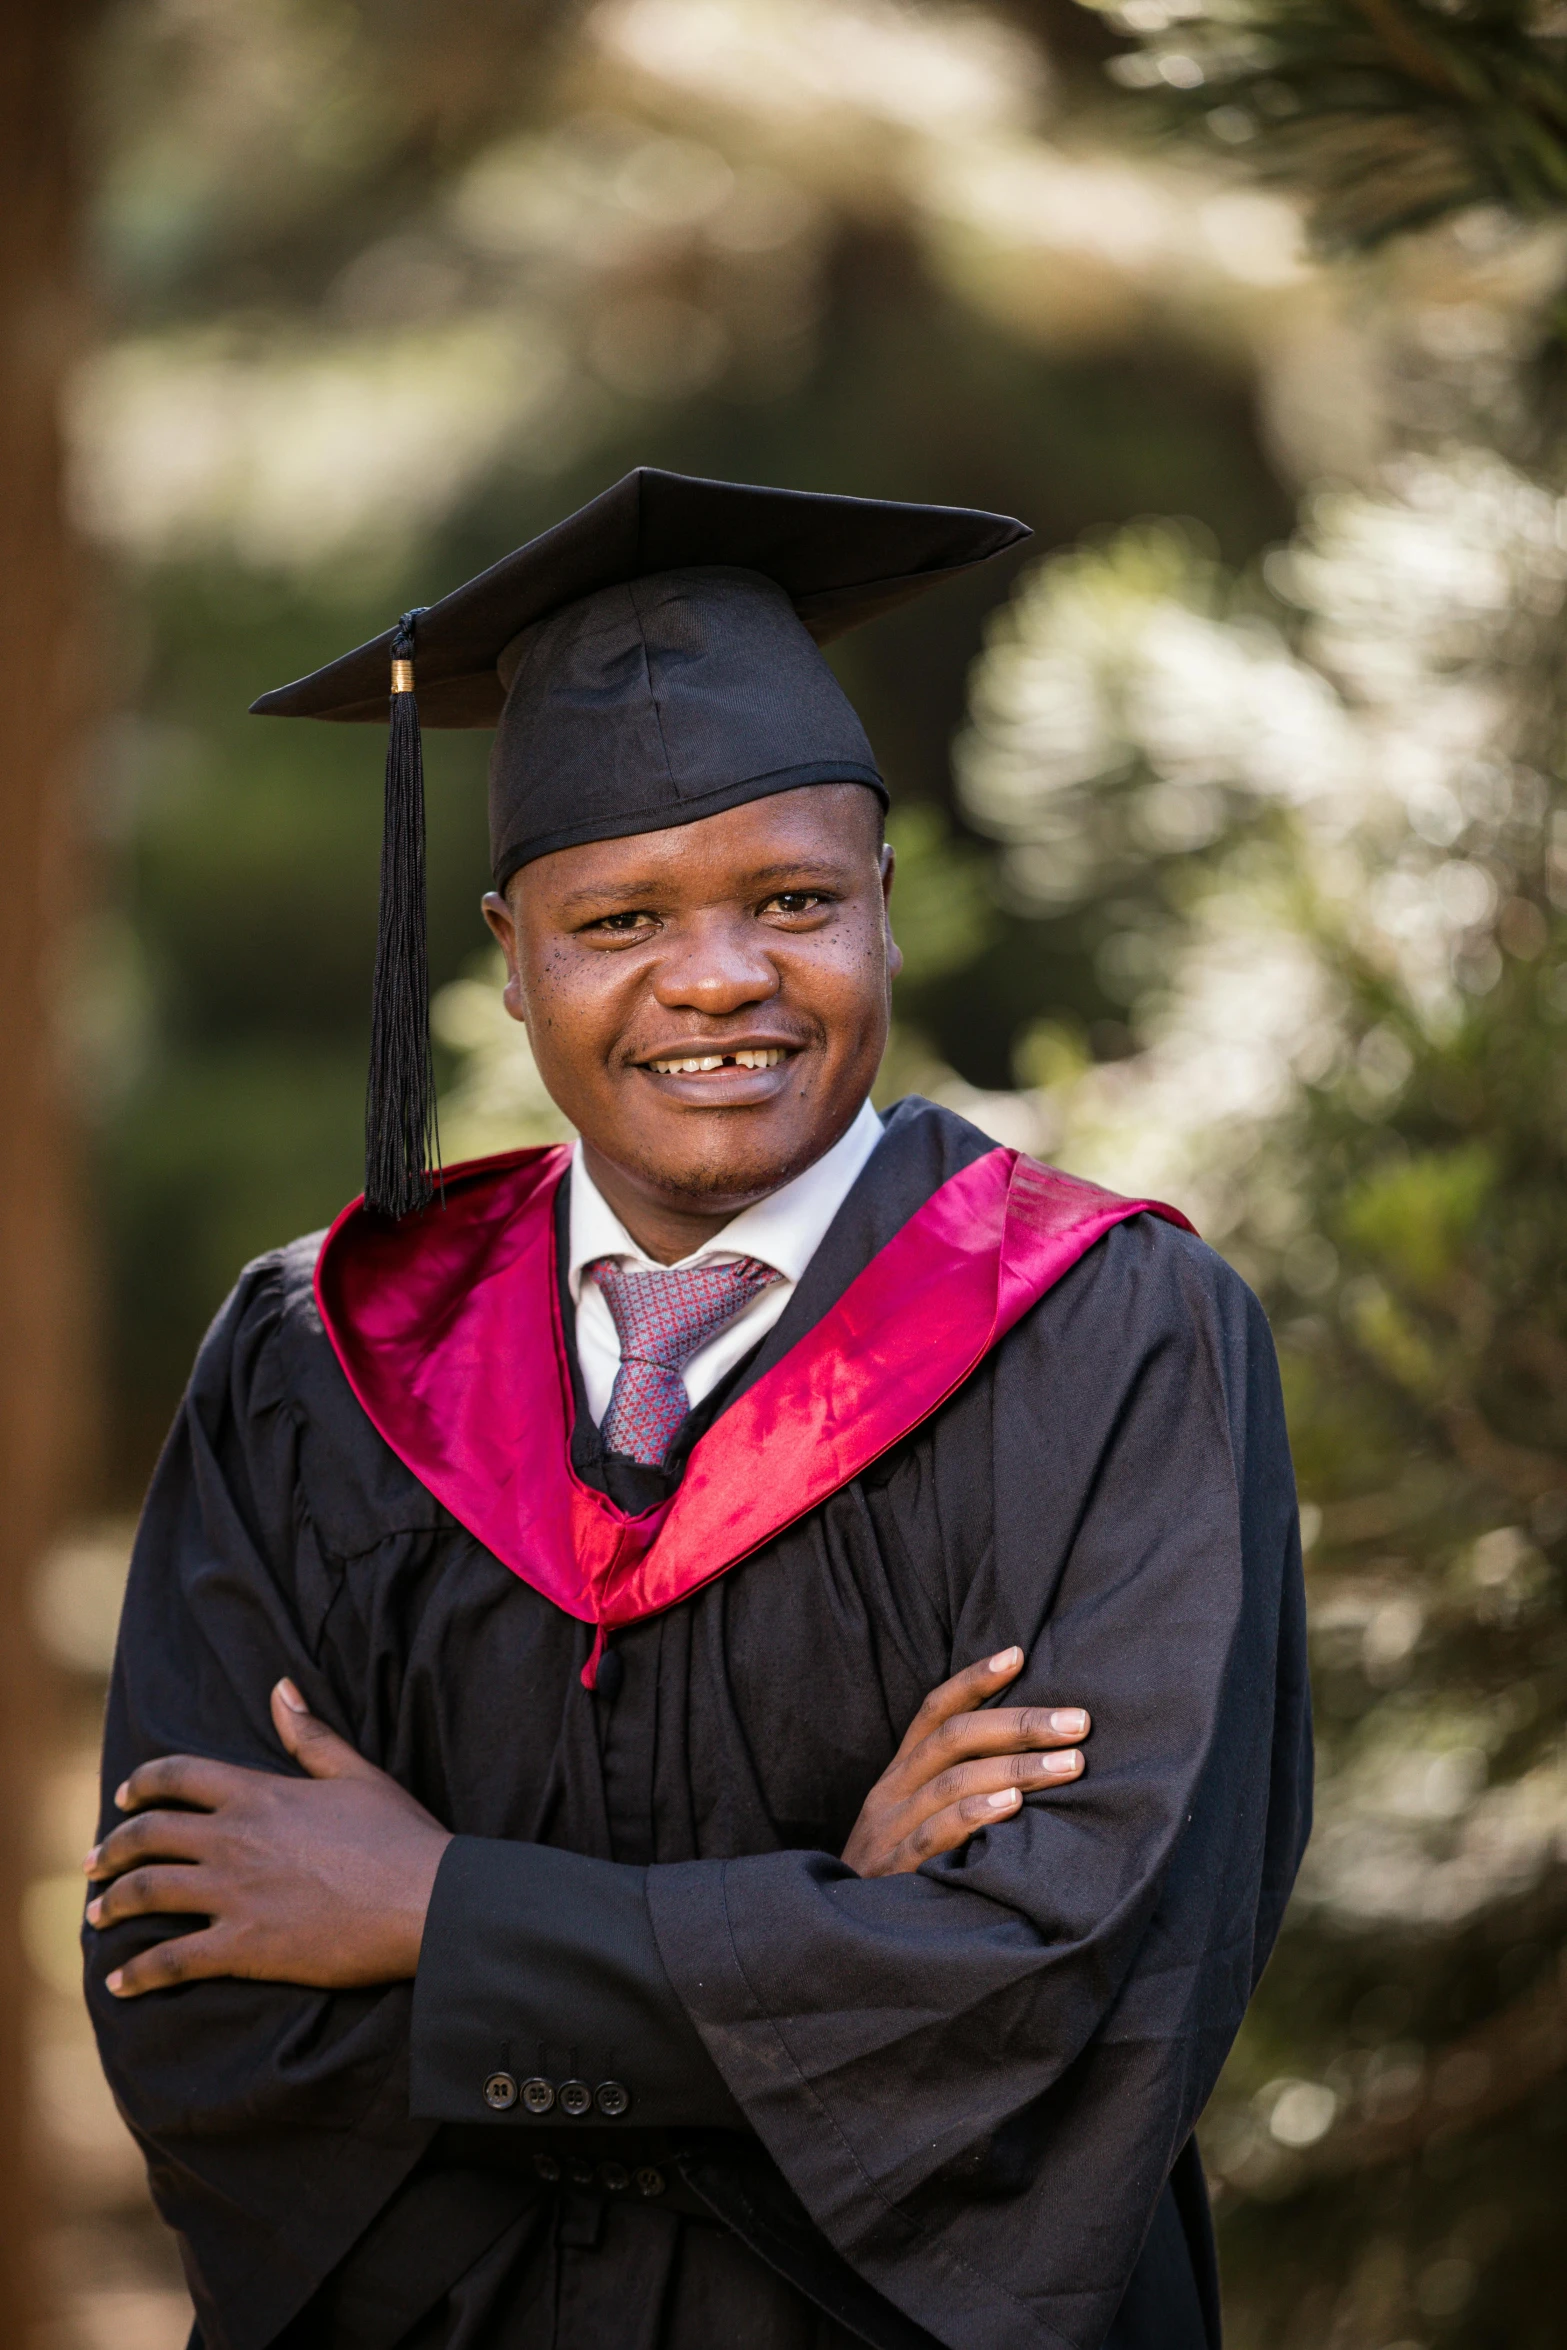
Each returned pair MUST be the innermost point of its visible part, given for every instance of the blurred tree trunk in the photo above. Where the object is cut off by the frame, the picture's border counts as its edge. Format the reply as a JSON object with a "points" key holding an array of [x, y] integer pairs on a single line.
{"points": [[44, 701]]}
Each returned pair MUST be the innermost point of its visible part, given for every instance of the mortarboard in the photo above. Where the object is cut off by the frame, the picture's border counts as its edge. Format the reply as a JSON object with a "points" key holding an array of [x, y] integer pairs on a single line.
{"points": [[651, 660]]}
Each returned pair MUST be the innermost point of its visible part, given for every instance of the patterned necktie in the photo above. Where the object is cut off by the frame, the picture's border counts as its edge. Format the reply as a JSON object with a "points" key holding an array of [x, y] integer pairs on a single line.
{"points": [[663, 1319]]}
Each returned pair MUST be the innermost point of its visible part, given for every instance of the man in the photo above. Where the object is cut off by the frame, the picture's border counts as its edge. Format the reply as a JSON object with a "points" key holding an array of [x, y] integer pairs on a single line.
{"points": [[576, 1887]]}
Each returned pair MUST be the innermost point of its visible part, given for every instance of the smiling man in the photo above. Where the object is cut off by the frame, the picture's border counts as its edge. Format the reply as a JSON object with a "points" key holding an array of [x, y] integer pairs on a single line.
{"points": [[674, 979], [709, 1734]]}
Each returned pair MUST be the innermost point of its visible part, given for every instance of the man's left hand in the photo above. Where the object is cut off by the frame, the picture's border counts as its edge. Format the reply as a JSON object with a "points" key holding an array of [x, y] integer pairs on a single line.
{"points": [[323, 1880]]}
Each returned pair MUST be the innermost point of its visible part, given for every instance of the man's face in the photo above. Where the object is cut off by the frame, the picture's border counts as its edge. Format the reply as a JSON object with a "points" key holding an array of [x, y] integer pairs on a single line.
{"points": [[708, 1005]]}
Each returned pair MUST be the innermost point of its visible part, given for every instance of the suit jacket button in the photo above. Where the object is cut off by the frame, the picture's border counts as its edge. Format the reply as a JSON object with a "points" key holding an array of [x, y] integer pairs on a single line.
{"points": [[612, 2098], [650, 2181], [538, 2095], [500, 2090], [576, 2098], [614, 2176]]}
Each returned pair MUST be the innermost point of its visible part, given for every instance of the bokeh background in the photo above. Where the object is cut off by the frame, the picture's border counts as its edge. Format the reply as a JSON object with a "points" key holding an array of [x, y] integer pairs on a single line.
{"points": [[1232, 825]]}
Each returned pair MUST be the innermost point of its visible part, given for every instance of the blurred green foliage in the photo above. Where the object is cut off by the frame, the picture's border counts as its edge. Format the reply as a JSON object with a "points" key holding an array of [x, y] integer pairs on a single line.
{"points": [[1421, 1980], [1394, 113], [1415, 1217]]}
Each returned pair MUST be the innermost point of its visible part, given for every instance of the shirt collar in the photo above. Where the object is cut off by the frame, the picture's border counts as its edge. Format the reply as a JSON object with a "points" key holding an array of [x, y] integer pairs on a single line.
{"points": [[784, 1230]]}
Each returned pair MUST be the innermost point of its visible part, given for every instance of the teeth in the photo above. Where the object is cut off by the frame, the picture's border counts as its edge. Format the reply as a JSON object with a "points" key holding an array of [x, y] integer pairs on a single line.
{"points": [[697, 1064]]}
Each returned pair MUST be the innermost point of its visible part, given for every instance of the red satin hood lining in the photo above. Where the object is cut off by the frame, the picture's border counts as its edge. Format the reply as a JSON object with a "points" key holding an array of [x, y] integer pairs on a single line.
{"points": [[448, 1330]]}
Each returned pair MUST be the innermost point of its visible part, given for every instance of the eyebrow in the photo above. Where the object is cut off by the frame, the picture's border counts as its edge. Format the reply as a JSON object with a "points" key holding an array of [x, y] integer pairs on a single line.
{"points": [[647, 885]]}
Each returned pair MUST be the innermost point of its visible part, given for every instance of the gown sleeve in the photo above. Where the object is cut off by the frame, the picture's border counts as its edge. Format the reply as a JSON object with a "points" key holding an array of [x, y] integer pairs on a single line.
{"points": [[537, 1964], [978, 2078], [274, 2120]]}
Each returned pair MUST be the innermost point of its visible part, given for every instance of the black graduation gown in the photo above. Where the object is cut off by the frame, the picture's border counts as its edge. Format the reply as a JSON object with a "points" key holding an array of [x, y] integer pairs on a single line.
{"points": [[950, 2108]]}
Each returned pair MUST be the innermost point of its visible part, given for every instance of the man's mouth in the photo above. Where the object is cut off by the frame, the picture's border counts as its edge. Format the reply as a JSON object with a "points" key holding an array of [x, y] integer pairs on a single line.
{"points": [[699, 1064]]}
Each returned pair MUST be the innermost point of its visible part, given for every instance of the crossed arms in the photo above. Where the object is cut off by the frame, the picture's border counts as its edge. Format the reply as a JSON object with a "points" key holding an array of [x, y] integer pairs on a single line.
{"points": [[326, 1880]]}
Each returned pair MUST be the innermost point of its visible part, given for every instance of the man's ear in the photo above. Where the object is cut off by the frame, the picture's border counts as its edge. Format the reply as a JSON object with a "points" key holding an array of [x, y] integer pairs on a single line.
{"points": [[889, 864], [502, 921]]}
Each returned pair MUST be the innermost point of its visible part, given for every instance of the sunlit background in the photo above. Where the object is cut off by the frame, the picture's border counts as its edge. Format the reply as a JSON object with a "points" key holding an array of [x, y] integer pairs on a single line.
{"points": [[1231, 823]]}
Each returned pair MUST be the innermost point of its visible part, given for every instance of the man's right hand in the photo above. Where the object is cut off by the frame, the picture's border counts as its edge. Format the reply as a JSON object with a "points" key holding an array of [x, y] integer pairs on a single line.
{"points": [[963, 1766]]}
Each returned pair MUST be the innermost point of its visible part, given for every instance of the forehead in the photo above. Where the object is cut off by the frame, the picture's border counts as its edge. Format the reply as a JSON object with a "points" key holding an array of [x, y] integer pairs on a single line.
{"points": [[837, 825]]}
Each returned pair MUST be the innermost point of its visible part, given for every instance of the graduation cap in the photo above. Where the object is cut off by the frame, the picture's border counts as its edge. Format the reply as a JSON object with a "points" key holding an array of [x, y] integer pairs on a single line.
{"points": [[651, 660]]}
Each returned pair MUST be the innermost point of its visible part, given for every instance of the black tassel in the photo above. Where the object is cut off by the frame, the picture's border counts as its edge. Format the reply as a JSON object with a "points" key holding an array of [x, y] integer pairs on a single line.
{"points": [[401, 1141]]}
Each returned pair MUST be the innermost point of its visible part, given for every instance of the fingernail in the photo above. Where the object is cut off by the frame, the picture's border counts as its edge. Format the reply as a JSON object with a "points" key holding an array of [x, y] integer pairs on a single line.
{"points": [[113, 1982], [94, 1911], [1003, 1799], [1069, 1721], [1006, 1660], [291, 1698], [91, 1862], [122, 1795], [1060, 1766]]}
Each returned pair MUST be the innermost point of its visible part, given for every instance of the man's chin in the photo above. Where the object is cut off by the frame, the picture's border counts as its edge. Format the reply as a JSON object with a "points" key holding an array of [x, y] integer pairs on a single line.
{"points": [[726, 1160]]}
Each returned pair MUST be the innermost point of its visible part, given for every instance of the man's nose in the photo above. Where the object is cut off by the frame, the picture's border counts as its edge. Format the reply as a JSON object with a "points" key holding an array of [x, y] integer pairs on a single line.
{"points": [[715, 967]]}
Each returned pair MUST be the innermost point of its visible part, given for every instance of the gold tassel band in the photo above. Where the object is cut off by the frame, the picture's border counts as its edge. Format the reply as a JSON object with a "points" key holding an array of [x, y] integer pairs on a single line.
{"points": [[402, 677]]}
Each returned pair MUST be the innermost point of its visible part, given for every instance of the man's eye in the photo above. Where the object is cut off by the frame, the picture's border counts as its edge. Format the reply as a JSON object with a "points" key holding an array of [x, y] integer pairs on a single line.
{"points": [[795, 901], [621, 922]]}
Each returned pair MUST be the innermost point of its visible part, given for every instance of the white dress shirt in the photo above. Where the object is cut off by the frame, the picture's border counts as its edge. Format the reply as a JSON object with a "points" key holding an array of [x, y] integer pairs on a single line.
{"points": [[784, 1231]]}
